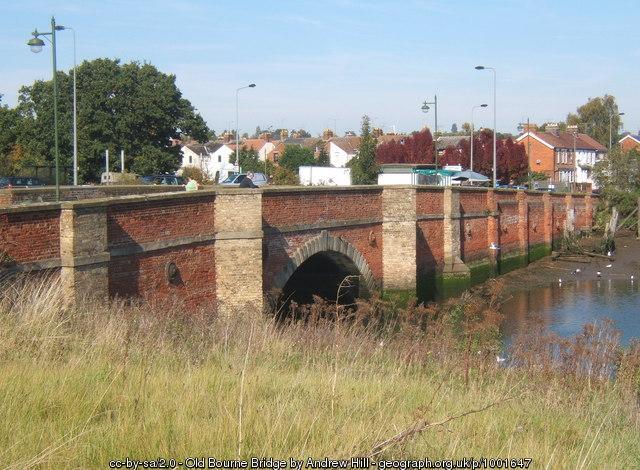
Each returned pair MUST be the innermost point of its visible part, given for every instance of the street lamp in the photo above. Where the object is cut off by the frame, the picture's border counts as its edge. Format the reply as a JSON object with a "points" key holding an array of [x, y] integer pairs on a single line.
{"points": [[472, 108], [36, 44], [252, 85], [610, 123], [425, 109], [75, 109], [482, 67]]}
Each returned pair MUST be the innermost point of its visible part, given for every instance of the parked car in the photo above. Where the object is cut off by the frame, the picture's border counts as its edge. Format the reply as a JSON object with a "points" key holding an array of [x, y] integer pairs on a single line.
{"points": [[171, 180], [259, 179], [19, 182]]}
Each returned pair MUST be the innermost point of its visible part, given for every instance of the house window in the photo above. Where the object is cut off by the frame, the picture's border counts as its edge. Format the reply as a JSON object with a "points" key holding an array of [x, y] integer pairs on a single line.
{"points": [[190, 160], [219, 158]]}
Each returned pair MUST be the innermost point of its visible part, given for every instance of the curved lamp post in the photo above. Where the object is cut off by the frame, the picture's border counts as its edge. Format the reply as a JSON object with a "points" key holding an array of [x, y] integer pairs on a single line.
{"points": [[610, 123], [472, 108], [36, 44], [251, 85], [425, 109], [482, 67]]}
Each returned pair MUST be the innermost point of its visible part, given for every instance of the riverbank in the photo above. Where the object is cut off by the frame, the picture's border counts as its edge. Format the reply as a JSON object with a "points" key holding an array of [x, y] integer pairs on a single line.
{"points": [[82, 387], [625, 263]]}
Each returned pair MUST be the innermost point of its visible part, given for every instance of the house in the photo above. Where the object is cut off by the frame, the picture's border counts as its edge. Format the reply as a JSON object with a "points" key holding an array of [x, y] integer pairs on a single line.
{"points": [[342, 150], [445, 141], [629, 142], [212, 158], [562, 156]]}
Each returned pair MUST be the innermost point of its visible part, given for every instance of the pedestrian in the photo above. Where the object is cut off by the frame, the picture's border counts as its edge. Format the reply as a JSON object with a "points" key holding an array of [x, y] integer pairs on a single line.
{"points": [[192, 185], [247, 182]]}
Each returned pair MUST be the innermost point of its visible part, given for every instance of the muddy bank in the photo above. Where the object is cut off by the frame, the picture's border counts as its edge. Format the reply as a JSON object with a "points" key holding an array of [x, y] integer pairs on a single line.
{"points": [[625, 263]]}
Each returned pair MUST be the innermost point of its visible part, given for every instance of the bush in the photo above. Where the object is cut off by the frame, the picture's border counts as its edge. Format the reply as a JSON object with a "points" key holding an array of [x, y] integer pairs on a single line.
{"points": [[196, 174], [285, 177]]}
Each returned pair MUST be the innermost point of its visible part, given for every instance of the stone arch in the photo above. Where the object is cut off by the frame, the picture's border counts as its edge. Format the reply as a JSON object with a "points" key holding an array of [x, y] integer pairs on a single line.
{"points": [[326, 243]]}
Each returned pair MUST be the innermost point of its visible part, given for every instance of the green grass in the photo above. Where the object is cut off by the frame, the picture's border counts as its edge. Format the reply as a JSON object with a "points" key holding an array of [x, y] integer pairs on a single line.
{"points": [[81, 387]]}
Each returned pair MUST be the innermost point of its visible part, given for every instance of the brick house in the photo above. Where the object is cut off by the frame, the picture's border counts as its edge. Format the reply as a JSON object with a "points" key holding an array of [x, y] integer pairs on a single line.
{"points": [[562, 156], [629, 142]]}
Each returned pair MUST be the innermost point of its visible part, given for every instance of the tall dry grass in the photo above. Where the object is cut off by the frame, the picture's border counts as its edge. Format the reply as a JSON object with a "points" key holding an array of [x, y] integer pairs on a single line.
{"points": [[80, 386]]}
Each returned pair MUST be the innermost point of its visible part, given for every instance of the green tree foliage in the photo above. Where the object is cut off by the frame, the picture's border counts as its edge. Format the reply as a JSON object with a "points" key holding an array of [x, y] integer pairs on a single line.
{"points": [[323, 156], [284, 176], [364, 169], [8, 134], [592, 118], [295, 156], [454, 128], [618, 176], [132, 106], [249, 160]]}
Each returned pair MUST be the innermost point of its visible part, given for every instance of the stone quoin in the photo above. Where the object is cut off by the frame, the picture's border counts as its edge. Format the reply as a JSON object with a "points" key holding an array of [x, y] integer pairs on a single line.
{"points": [[232, 248]]}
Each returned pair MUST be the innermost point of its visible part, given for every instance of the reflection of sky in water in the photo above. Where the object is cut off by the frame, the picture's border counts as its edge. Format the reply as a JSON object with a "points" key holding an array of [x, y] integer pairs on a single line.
{"points": [[566, 308]]}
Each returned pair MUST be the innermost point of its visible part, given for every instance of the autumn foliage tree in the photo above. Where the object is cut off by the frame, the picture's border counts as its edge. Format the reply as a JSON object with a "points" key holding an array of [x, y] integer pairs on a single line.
{"points": [[511, 157], [417, 148]]}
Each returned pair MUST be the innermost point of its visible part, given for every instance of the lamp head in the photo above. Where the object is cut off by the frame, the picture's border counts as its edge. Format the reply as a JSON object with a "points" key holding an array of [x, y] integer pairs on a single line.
{"points": [[253, 85], [479, 67], [35, 44], [484, 105], [425, 107], [620, 114]]}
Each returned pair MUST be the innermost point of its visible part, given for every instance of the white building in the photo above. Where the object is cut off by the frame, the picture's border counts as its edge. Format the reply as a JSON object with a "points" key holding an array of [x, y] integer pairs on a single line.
{"points": [[212, 158], [342, 150]]}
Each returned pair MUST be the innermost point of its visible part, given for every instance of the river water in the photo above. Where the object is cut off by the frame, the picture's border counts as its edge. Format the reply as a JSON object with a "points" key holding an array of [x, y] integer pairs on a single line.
{"points": [[565, 308]]}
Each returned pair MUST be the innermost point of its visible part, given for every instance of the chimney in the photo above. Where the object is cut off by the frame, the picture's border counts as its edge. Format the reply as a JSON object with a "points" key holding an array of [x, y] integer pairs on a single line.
{"points": [[552, 128]]}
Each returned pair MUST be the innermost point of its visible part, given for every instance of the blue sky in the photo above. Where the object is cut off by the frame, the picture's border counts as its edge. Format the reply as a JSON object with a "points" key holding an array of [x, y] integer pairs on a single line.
{"points": [[323, 63]]}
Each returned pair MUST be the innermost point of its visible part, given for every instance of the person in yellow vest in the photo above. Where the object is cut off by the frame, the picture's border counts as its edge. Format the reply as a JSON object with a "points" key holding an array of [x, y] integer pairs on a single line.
{"points": [[192, 185]]}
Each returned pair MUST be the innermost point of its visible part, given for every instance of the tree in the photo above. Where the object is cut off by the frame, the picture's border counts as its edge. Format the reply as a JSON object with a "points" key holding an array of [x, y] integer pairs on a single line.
{"points": [[593, 117], [618, 176], [295, 156], [8, 134], [249, 160], [131, 106], [454, 128], [323, 155], [466, 128], [363, 165], [418, 148]]}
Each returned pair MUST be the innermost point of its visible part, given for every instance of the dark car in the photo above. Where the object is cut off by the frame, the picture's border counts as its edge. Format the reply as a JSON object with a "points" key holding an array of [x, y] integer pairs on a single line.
{"points": [[171, 180], [19, 182]]}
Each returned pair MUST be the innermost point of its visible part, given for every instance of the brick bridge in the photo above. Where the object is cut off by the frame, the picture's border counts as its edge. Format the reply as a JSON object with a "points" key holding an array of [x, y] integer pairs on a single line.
{"points": [[232, 247]]}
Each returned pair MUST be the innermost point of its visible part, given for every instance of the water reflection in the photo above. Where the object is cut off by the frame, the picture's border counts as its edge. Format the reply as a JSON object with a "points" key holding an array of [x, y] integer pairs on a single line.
{"points": [[566, 307]]}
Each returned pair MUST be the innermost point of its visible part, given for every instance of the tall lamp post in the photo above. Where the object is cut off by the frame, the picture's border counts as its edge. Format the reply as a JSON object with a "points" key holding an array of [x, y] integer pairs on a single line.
{"points": [[482, 67], [36, 44], [610, 124], [472, 108], [75, 109], [425, 109], [251, 85]]}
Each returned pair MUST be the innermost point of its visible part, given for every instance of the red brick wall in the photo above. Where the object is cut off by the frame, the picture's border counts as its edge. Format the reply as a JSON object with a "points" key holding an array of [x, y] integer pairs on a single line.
{"points": [[536, 219], [509, 241], [143, 275], [559, 215], [473, 201], [540, 152], [429, 246], [30, 236], [147, 221], [473, 239], [288, 209], [429, 201], [628, 144]]}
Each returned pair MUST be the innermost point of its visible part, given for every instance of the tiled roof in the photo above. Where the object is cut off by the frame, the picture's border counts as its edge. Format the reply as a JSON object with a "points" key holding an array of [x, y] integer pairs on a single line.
{"points": [[565, 140], [349, 144], [386, 138], [254, 144], [445, 141]]}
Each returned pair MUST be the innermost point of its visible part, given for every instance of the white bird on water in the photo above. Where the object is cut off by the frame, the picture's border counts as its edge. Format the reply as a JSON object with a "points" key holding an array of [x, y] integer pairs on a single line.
{"points": [[559, 280], [608, 265], [598, 273], [500, 360]]}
